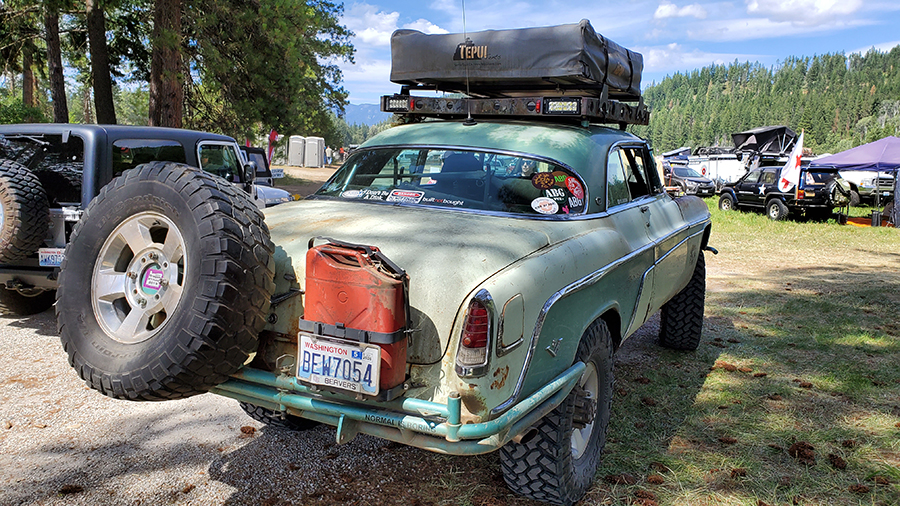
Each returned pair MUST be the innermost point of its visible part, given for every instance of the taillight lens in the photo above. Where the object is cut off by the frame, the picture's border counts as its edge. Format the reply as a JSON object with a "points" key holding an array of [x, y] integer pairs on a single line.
{"points": [[474, 345]]}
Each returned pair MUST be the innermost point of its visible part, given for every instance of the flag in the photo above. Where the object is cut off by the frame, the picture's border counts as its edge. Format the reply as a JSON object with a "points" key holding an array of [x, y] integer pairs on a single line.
{"points": [[273, 136], [790, 173]]}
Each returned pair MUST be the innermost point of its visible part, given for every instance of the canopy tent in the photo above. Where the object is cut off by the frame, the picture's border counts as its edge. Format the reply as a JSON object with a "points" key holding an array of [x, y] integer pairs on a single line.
{"points": [[768, 140], [882, 155]]}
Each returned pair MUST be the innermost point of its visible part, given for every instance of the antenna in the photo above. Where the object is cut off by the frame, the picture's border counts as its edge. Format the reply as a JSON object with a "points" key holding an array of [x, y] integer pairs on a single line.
{"points": [[469, 120]]}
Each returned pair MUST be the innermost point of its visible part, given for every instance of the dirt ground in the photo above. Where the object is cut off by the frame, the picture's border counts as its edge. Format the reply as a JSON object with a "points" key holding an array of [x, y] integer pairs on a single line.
{"points": [[315, 176]]}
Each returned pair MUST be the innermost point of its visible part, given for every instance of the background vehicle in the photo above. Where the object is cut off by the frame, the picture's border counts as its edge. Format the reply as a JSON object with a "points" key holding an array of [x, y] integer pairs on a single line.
{"points": [[819, 192], [689, 180], [51, 172], [458, 285], [863, 186]]}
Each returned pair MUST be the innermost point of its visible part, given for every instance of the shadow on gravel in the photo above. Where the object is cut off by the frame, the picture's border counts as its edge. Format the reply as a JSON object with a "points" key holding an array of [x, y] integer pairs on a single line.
{"points": [[43, 323]]}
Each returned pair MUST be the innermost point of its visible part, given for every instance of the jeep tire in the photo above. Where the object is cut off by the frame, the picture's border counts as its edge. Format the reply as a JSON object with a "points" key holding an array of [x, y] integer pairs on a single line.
{"points": [[24, 212], [557, 464], [681, 318], [165, 285], [726, 202]]}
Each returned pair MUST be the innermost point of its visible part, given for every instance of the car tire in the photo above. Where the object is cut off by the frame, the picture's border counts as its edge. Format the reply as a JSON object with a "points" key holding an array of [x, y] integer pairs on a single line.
{"points": [[165, 285], [726, 203], [558, 462], [854, 198], [681, 318], [24, 212], [776, 210], [274, 419], [888, 211], [26, 302]]}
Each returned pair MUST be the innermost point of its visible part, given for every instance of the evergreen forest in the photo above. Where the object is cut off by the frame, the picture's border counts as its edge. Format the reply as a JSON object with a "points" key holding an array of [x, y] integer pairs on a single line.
{"points": [[839, 101]]}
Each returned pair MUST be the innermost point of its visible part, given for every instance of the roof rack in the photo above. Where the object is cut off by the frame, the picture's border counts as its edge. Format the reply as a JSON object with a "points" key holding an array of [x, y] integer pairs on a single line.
{"points": [[580, 109]]}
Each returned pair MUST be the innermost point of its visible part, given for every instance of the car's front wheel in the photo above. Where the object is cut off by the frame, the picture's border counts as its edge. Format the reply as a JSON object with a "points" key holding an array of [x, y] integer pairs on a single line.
{"points": [[776, 210], [557, 464], [726, 202], [165, 284]]}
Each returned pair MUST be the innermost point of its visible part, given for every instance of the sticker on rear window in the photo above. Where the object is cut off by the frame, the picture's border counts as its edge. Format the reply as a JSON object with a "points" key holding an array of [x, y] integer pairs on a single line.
{"points": [[542, 180], [545, 205], [574, 188], [405, 196]]}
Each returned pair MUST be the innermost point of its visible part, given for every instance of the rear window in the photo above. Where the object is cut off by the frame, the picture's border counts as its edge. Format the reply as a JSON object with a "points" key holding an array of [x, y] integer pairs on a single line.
{"points": [[458, 179], [817, 177]]}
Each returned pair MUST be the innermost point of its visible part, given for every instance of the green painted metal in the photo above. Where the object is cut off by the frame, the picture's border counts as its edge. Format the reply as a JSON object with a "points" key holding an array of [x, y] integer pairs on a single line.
{"points": [[436, 432]]}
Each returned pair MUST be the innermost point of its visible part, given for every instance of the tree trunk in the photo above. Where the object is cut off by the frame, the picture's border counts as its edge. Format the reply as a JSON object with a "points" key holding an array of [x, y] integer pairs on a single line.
{"points": [[54, 62], [28, 74], [103, 95], [86, 111], [166, 78]]}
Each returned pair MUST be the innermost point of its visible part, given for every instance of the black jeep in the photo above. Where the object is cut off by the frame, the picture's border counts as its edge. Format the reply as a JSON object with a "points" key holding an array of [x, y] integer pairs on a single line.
{"points": [[49, 173], [820, 190]]}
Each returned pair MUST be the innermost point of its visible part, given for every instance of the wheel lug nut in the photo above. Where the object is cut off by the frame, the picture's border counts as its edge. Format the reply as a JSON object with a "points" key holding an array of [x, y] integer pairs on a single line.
{"points": [[142, 302], [153, 256]]}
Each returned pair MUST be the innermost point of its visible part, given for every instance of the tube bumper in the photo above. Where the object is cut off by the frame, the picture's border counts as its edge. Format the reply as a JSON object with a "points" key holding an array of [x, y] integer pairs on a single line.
{"points": [[415, 422]]}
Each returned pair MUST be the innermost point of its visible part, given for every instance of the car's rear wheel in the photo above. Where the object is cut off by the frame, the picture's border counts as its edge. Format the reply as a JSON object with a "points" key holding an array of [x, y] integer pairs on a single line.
{"points": [[726, 202], [24, 212], [854, 198], [776, 210], [165, 284], [681, 318], [278, 420], [557, 464]]}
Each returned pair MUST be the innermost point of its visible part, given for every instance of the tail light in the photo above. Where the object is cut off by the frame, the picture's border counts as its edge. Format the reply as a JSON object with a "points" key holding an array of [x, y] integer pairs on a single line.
{"points": [[475, 342]]}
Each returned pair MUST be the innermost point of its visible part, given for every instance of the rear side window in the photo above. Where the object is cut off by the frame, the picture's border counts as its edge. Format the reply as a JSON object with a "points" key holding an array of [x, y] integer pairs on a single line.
{"points": [[629, 176], [129, 153]]}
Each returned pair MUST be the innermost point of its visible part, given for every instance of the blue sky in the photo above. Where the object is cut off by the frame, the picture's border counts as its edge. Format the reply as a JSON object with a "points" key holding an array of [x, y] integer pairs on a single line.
{"points": [[673, 36]]}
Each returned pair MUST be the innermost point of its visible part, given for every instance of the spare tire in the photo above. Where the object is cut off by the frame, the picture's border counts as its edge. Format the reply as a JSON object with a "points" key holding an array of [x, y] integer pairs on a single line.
{"points": [[165, 284], [24, 212], [838, 193]]}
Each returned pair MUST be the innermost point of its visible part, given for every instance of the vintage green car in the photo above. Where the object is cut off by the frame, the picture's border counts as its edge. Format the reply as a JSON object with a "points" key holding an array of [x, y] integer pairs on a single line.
{"points": [[458, 285]]}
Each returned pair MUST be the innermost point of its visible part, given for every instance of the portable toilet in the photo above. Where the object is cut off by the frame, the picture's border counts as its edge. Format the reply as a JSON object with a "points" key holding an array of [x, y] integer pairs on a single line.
{"points": [[296, 150], [315, 152]]}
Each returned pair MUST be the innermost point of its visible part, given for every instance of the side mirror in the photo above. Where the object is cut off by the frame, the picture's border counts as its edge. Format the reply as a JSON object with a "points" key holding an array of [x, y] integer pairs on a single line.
{"points": [[249, 174]]}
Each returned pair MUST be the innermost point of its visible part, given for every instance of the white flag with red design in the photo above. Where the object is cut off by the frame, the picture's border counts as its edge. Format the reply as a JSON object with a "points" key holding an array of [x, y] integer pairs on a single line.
{"points": [[790, 173]]}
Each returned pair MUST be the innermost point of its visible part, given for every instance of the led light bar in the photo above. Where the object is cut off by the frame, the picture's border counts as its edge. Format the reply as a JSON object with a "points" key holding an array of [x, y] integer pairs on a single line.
{"points": [[583, 108]]}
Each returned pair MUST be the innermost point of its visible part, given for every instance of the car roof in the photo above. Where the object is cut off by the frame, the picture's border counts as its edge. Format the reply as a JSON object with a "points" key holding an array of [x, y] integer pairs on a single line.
{"points": [[571, 145], [113, 131]]}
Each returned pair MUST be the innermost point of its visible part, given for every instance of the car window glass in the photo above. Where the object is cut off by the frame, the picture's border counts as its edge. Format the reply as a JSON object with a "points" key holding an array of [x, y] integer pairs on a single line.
{"points": [[769, 177], [753, 176], [616, 182], [221, 160], [261, 165], [129, 153], [458, 179]]}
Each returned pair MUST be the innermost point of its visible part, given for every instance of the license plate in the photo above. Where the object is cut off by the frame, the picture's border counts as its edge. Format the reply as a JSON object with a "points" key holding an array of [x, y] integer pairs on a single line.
{"points": [[51, 257], [347, 366]]}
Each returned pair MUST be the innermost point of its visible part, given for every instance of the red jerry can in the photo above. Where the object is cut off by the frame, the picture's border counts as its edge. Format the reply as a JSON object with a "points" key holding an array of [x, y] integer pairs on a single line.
{"points": [[356, 288]]}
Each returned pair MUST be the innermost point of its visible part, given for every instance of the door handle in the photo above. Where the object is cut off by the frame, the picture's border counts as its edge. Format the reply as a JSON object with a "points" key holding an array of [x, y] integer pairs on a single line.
{"points": [[645, 209]]}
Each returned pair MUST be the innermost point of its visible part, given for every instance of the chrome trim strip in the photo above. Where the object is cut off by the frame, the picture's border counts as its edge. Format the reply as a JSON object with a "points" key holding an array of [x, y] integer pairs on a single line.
{"points": [[588, 280]]}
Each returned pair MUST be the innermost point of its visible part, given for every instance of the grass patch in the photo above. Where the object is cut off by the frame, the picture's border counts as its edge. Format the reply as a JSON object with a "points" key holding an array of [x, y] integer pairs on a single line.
{"points": [[801, 345]]}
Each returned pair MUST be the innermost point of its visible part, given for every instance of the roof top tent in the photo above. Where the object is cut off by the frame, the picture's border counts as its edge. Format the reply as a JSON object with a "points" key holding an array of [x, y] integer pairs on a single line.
{"points": [[555, 72], [765, 141], [296, 150]]}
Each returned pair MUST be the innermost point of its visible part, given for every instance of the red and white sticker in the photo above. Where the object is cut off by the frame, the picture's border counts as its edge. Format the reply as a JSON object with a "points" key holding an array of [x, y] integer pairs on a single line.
{"points": [[575, 188], [405, 196], [545, 205]]}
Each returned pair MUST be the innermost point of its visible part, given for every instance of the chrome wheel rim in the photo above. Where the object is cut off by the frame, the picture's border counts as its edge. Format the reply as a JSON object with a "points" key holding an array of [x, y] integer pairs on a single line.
{"points": [[590, 383], [138, 278]]}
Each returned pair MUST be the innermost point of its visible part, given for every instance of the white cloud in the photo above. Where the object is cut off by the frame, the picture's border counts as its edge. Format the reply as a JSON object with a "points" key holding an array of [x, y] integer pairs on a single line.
{"points": [[673, 57], [761, 28], [371, 26], [670, 10], [884, 47], [425, 26], [804, 12]]}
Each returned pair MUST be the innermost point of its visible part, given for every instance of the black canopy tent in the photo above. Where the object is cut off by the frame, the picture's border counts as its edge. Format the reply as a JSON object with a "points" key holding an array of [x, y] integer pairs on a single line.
{"points": [[767, 140], [882, 155]]}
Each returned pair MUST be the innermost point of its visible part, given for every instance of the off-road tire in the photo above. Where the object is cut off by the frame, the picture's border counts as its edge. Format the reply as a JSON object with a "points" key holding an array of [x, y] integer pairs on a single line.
{"points": [[25, 217], [726, 203], [544, 467], [681, 319], [25, 302], [854, 198], [776, 210], [62, 184], [215, 281], [273, 419], [888, 212]]}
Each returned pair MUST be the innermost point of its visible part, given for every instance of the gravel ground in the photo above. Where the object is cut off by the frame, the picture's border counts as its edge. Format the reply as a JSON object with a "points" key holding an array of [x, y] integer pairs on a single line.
{"points": [[64, 444]]}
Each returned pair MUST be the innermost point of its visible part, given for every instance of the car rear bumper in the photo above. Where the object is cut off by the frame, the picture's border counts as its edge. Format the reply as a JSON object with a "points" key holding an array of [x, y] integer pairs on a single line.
{"points": [[424, 424]]}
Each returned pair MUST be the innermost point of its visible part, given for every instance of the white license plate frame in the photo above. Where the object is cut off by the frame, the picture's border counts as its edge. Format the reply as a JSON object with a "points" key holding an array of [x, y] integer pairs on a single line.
{"points": [[51, 257], [345, 365]]}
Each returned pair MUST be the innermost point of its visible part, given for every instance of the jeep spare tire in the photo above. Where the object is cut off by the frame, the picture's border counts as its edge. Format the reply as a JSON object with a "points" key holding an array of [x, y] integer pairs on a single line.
{"points": [[165, 284], [24, 212]]}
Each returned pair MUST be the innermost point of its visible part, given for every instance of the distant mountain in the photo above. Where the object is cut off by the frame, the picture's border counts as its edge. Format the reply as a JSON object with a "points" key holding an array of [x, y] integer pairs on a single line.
{"points": [[364, 114]]}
